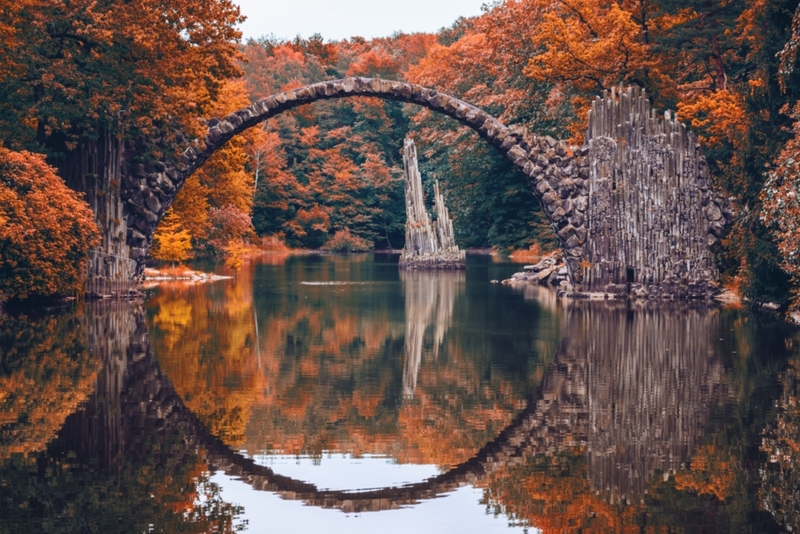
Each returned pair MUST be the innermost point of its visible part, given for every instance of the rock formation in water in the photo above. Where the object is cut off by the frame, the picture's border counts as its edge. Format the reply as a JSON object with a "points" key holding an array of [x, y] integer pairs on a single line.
{"points": [[429, 245]]}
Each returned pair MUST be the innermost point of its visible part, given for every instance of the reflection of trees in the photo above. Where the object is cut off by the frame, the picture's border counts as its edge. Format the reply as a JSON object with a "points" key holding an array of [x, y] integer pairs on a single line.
{"points": [[45, 372], [430, 297], [780, 474], [206, 338], [113, 467], [325, 368], [659, 441]]}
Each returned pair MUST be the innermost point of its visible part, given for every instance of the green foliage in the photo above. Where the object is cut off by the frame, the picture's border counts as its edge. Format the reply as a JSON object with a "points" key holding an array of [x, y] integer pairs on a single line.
{"points": [[331, 165], [488, 198]]}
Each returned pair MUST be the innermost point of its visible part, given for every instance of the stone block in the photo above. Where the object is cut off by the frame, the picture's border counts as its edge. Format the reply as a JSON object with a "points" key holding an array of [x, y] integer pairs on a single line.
{"points": [[549, 197], [234, 119], [153, 203]]}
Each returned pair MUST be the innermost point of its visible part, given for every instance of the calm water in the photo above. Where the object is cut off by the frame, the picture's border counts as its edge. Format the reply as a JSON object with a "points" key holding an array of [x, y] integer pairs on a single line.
{"points": [[335, 394]]}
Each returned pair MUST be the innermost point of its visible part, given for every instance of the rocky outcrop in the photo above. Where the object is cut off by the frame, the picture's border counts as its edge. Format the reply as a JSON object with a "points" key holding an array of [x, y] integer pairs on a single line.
{"points": [[430, 245], [652, 212], [549, 271]]}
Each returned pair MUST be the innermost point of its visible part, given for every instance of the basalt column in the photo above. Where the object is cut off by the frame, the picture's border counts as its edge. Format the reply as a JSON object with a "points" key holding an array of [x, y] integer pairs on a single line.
{"points": [[429, 245], [93, 169], [652, 213]]}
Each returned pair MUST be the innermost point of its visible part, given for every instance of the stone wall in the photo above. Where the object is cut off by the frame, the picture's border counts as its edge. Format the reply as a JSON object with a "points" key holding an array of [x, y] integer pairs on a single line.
{"points": [[93, 169]]}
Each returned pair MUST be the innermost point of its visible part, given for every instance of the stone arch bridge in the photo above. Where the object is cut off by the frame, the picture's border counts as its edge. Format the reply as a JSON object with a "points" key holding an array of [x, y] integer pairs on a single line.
{"points": [[632, 208]]}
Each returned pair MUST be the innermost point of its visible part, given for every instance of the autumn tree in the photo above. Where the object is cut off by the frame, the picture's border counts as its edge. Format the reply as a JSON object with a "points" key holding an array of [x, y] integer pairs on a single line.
{"points": [[225, 181], [329, 165], [490, 200], [84, 67], [228, 224], [46, 230], [172, 242]]}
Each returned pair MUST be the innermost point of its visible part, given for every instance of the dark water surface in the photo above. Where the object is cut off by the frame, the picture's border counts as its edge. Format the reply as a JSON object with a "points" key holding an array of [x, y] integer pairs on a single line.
{"points": [[335, 394]]}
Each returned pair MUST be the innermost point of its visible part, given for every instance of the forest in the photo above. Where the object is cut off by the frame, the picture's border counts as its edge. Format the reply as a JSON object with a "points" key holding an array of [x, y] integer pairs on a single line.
{"points": [[329, 175]]}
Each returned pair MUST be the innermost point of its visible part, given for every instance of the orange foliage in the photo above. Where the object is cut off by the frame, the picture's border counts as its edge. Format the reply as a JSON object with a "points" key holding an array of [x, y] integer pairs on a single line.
{"points": [[46, 230], [159, 62], [717, 117], [554, 494], [202, 371], [47, 373], [222, 183], [172, 241], [711, 472]]}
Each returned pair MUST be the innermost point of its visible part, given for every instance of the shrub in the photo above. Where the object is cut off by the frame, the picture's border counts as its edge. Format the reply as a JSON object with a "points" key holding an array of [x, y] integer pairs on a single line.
{"points": [[46, 230], [274, 243], [228, 224], [344, 241]]}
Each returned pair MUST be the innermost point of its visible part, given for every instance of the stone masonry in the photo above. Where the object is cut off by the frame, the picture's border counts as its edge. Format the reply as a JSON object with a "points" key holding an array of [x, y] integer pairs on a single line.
{"points": [[567, 180]]}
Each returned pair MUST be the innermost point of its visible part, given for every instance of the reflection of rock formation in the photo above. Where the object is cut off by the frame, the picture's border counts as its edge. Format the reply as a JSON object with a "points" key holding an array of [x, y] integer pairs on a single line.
{"points": [[430, 297], [631, 388], [780, 475], [649, 377], [113, 330]]}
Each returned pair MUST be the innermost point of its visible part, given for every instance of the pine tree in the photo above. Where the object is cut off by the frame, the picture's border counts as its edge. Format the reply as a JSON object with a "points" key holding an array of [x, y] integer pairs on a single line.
{"points": [[172, 242]]}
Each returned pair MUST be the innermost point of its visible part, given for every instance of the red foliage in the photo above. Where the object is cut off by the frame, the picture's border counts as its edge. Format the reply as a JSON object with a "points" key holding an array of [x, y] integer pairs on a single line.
{"points": [[229, 224]]}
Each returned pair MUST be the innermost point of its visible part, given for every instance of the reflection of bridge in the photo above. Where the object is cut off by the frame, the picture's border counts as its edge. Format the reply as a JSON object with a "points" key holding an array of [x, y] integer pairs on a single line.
{"points": [[632, 388]]}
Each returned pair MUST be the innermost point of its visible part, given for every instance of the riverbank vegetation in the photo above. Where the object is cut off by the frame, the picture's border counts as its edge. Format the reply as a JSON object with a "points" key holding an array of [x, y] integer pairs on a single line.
{"points": [[45, 230], [72, 73]]}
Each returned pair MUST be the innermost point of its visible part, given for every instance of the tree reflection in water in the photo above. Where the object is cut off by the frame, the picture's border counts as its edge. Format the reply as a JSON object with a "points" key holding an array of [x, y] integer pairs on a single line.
{"points": [[107, 469], [650, 418]]}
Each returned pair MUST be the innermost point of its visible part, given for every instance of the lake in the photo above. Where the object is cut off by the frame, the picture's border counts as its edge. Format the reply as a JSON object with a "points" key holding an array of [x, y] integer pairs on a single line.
{"points": [[315, 393]]}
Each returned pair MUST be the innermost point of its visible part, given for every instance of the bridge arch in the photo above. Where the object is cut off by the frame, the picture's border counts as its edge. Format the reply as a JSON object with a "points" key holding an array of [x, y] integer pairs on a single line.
{"points": [[556, 173]]}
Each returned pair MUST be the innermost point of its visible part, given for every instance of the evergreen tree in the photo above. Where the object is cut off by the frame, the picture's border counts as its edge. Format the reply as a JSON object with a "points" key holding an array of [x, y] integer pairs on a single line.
{"points": [[172, 242]]}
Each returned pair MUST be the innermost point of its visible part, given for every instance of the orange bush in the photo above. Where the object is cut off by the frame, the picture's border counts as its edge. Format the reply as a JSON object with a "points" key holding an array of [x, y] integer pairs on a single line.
{"points": [[46, 230]]}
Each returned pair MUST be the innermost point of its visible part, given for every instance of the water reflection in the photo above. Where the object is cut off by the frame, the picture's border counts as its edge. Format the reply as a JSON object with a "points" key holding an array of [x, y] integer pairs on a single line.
{"points": [[120, 463], [46, 371], [581, 417], [780, 475], [429, 298], [329, 350]]}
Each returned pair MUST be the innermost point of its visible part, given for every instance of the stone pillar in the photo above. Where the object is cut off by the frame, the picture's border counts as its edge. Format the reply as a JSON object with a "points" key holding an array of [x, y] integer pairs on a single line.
{"points": [[428, 245], [94, 169], [652, 213]]}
